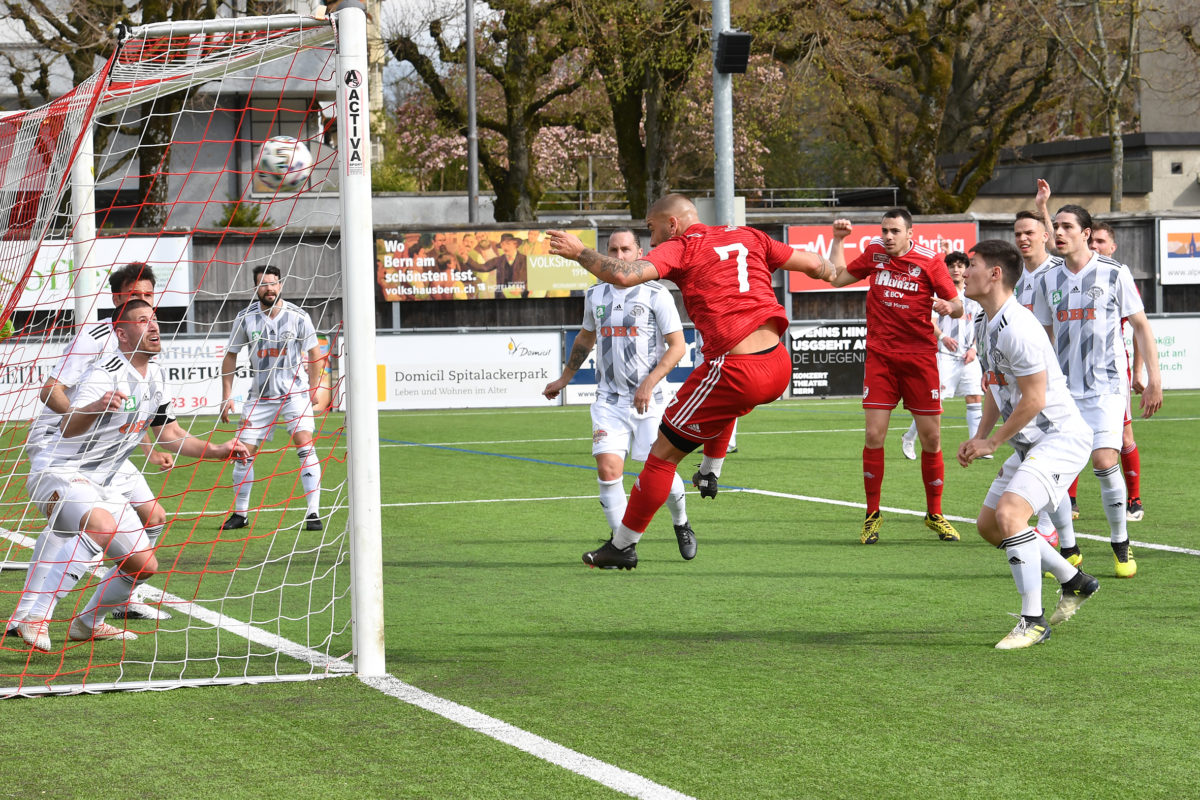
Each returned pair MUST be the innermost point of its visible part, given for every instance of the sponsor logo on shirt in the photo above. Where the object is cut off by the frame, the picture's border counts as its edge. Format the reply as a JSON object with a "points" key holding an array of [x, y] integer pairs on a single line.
{"points": [[1073, 314], [601, 312], [1096, 292], [914, 271], [893, 281], [131, 404], [1055, 297], [993, 378], [619, 330]]}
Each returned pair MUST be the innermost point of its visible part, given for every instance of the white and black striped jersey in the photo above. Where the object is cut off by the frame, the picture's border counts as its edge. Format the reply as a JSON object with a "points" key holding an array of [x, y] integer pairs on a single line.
{"points": [[278, 347], [1012, 345], [1085, 309], [115, 435], [629, 325], [961, 330], [90, 344], [1023, 291]]}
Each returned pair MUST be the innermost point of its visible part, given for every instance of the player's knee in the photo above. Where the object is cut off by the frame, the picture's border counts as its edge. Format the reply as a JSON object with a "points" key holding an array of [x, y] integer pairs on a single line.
{"points": [[152, 515], [1011, 517], [140, 566], [98, 522]]}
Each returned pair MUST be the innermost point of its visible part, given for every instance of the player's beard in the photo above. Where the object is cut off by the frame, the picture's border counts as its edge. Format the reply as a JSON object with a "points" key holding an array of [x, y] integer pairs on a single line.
{"points": [[266, 304]]}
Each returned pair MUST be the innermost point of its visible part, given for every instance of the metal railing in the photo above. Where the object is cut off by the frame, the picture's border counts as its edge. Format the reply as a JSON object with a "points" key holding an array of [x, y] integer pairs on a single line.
{"points": [[586, 200]]}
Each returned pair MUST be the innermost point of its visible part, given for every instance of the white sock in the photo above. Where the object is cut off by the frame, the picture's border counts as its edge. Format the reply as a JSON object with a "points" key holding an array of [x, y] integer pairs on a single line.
{"points": [[623, 537], [1113, 496], [910, 435], [243, 484], [612, 500], [113, 593], [712, 465], [676, 502], [88, 555], [1025, 561], [1061, 519], [974, 414], [153, 533], [310, 477], [733, 437], [48, 577], [1054, 563]]}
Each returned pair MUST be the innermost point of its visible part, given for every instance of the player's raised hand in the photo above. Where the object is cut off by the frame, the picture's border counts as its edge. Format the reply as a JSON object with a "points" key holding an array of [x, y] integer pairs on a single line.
{"points": [[842, 228], [1043, 191], [564, 244]]}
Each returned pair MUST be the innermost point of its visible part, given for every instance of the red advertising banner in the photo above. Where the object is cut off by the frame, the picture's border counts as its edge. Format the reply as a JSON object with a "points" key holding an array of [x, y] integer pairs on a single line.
{"points": [[819, 239]]}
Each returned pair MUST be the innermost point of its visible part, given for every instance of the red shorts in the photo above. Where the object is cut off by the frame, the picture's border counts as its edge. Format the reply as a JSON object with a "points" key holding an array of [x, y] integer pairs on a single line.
{"points": [[722, 389], [912, 377]]}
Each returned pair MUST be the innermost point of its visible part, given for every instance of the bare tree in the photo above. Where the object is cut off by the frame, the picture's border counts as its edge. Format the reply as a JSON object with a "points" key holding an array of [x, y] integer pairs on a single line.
{"points": [[645, 53], [529, 53], [914, 81], [1101, 41]]}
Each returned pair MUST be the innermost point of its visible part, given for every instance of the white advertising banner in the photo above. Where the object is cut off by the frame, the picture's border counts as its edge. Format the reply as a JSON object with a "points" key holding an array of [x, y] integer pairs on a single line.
{"points": [[49, 285], [1179, 251], [192, 369], [1178, 340], [466, 370]]}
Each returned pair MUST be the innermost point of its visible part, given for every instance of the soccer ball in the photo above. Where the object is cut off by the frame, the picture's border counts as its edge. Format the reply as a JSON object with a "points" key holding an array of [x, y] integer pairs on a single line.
{"points": [[284, 164]]}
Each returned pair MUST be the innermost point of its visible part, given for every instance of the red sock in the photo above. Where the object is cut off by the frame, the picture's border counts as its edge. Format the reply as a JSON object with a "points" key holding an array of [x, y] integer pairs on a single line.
{"points": [[1074, 486], [1131, 465], [650, 492], [873, 476], [933, 474], [718, 447]]}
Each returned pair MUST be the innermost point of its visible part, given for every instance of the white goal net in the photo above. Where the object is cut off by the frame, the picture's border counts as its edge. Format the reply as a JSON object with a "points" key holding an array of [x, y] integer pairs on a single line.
{"points": [[215, 160]]}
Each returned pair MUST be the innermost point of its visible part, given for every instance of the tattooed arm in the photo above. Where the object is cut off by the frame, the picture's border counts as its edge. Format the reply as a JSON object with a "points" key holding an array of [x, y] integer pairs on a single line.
{"points": [[579, 353], [606, 268]]}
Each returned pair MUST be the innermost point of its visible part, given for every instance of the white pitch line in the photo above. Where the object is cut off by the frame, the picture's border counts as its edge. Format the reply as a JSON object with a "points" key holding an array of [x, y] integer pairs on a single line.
{"points": [[910, 512], [606, 774], [613, 777]]}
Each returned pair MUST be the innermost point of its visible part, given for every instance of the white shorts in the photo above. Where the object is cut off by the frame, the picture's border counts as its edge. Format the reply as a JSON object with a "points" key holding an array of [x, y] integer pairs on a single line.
{"points": [[615, 425], [959, 379], [262, 414], [65, 497], [131, 483], [1043, 476], [1105, 415]]}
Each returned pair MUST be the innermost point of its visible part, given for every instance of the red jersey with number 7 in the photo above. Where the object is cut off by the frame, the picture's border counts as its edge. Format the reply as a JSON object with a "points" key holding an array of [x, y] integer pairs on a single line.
{"points": [[724, 274]]}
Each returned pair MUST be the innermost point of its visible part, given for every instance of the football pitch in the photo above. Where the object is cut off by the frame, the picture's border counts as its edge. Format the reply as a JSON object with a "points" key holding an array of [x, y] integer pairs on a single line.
{"points": [[785, 661]]}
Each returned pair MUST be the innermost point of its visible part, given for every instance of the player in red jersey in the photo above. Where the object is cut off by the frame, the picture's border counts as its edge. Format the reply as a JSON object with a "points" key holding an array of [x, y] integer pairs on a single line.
{"points": [[901, 353], [724, 275]]}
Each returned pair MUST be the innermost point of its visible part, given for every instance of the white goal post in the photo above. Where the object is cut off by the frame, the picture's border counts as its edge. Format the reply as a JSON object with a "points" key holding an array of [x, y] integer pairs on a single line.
{"points": [[280, 591]]}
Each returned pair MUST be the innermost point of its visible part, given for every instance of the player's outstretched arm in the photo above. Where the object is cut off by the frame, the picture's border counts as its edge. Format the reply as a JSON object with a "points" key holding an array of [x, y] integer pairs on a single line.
{"points": [[606, 268], [813, 265], [174, 438]]}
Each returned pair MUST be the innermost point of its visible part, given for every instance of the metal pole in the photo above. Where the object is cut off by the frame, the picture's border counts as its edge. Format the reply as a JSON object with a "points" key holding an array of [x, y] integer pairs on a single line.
{"points": [[472, 131], [83, 233], [722, 123], [358, 267]]}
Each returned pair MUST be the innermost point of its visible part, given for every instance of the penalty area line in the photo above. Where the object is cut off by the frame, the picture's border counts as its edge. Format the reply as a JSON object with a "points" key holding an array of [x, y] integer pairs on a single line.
{"points": [[613, 777]]}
